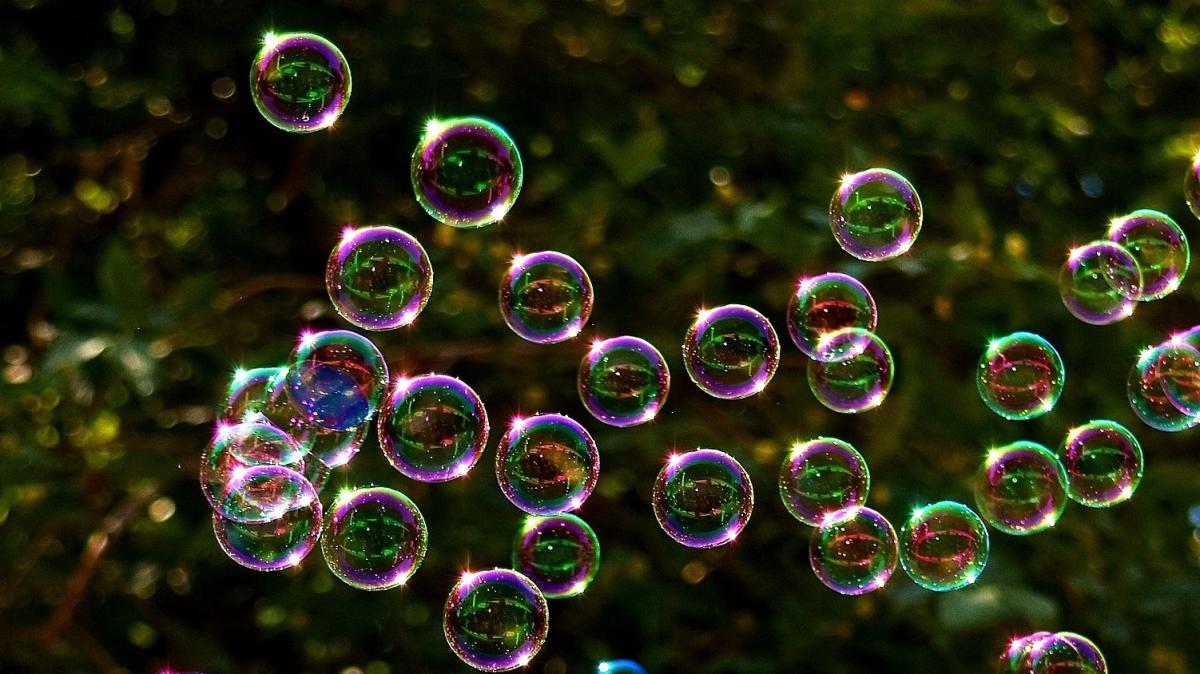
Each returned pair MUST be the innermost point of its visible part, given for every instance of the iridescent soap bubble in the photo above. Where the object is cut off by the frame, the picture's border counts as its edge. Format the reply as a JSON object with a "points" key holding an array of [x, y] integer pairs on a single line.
{"points": [[337, 378], [827, 303], [236, 448], [1150, 379], [328, 446], [1021, 488], [1066, 653], [875, 215], [559, 553], [300, 81], [1160, 247], [1104, 463], [854, 551], [248, 391], [822, 476], [547, 464], [703, 498], [943, 546], [1100, 283], [731, 351], [262, 493], [374, 538], [546, 297], [1017, 658], [1191, 186], [1182, 382], [856, 373], [623, 381], [495, 620], [619, 667], [1020, 376], [466, 171], [433, 428], [378, 278], [280, 543]]}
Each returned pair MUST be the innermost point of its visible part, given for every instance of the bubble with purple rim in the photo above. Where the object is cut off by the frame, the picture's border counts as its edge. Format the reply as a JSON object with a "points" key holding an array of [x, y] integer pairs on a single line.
{"points": [[559, 553], [235, 448], [1160, 247], [1183, 385], [547, 464], [854, 551], [1104, 463], [337, 378], [731, 351], [623, 381], [378, 278], [276, 544], [546, 297], [824, 304], [855, 373], [374, 538], [466, 171], [822, 476], [1021, 488], [300, 82], [875, 214], [273, 403], [1100, 283], [703, 498], [1154, 385], [432, 428], [495, 620]]}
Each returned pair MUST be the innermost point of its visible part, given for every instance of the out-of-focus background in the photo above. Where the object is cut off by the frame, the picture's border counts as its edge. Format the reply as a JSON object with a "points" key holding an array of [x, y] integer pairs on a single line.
{"points": [[156, 233]]}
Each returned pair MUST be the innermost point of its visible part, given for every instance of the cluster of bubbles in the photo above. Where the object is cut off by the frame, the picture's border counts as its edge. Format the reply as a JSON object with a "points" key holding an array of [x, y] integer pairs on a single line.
{"points": [[1164, 384], [1051, 653], [1143, 257]]}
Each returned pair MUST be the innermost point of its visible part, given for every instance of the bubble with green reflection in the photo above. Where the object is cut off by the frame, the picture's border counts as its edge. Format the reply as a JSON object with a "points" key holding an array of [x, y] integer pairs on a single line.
{"points": [[300, 82], [374, 538], [1160, 247], [495, 620], [1104, 463], [822, 476], [1020, 376], [943, 546], [466, 171], [378, 278], [623, 381], [854, 551], [731, 351], [1021, 488], [559, 553], [875, 214]]}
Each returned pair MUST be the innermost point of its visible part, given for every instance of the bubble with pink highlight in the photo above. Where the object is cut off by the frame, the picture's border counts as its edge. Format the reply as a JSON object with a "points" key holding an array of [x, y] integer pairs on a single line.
{"points": [[875, 215], [279, 543], [1020, 376], [731, 351], [1100, 283], [703, 499], [856, 373], [547, 464], [300, 82], [546, 297], [827, 303], [273, 403], [1104, 463], [854, 551], [466, 171], [235, 449], [433, 428], [1017, 658], [1182, 386], [822, 476], [374, 538], [559, 553], [495, 620], [1160, 247], [378, 278], [943, 546], [1160, 379], [1066, 653], [1021, 488], [623, 381], [337, 378]]}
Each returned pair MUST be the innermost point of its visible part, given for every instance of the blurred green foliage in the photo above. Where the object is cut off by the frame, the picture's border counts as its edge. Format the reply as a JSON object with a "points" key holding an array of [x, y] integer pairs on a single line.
{"points": [[155, 233]]}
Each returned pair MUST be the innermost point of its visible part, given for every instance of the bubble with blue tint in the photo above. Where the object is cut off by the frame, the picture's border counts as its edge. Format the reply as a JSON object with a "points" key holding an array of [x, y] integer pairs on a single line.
{"points": [[731, 351], [1020, 376], [547, 464], [279, 543], [300, 82], [328, 446], [235, 449], [546, 297], [559, 553], [262, 493], [827, 303], [1104, 463], [378, 278], [943, 546], [1017, 657], [337, 378], [875, 215], [619, 667], [856, 372], [496, 620], [1021, 488], [1100, 283], [854, 551], [1182, 385], [1160, 247], [374, 538], [1066, 653], [703, 498], [433, 428], [1150, 379], [466, 171], [623, 381], [822, 476]]}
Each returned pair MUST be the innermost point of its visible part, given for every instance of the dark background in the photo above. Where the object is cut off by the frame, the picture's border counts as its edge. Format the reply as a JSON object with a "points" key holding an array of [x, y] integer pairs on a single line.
{"points": [[155, 233]]}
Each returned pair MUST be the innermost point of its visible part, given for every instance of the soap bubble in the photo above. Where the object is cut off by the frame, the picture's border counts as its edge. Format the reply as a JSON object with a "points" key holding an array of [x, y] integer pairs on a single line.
{"points": [[731, 352], [1100, 283], [547, 464], [546, 297], [559, 553], [1159, 246], [827, 303], [378, 278], [328, 446], [1021, 488], [300, 81], [703, 498], [619, 667], [856, 372], [1150, 379], [495, 620], [248, 391], [1066, 653], [1104, 463], [374, 538], [943, 546], [1017, 658], [337, 378], [466, 171], [623, 381], [1020, 376], [822, 476], [854, 551], [1182, 383], [280, 543], [262, 493], [1191, 186], [236, 448], [875, 215], [433, 428]]}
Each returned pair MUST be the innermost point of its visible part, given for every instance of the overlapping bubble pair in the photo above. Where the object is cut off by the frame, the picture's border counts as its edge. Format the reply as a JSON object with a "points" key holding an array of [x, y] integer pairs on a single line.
{"points": [[1143, 257], [1052, 653], [1164, 383]]}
